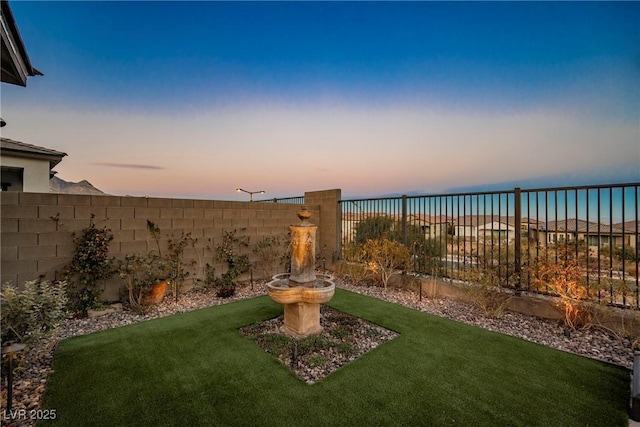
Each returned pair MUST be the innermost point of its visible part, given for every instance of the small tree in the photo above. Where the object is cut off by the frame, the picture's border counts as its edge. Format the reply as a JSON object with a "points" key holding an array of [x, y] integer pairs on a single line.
{"points": [[176, 262], [384, 257], [272, 252], [139, 273], [228, 252], [90, 264], [374, 227], [427, 255]]}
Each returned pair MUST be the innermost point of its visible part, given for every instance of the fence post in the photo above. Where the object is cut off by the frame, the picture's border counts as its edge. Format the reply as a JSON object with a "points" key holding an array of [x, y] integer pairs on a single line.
{"points": [[404, 220], [518, 236]]}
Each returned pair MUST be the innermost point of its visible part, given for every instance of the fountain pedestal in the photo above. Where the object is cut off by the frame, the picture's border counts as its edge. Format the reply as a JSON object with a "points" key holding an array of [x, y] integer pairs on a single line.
{"points": [[302, 292], [301, 319]]}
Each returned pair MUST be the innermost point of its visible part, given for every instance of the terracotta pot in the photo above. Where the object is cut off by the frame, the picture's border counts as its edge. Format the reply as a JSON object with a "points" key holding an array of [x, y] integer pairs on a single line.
{"points": [[155, 295]]}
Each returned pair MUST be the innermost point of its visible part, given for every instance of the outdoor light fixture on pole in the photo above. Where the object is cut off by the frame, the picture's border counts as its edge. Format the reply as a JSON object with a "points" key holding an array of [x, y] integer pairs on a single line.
{"points": [[250, 193], [11, 351]]}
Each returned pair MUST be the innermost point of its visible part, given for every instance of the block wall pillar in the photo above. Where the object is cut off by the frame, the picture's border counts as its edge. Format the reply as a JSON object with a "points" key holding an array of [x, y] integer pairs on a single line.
{"points": [[329, 223]]}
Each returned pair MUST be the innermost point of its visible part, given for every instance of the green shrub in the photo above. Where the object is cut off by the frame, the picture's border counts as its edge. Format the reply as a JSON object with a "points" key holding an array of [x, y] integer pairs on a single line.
{"points": [[228, 251], [426, 256], [313, 343], [276, 344], [373, 228], [209, 277], [340, 332], [140, 272], [316, 360], [346, 348], [29, 313], [627, 254], [90, 264], [179, 268]]}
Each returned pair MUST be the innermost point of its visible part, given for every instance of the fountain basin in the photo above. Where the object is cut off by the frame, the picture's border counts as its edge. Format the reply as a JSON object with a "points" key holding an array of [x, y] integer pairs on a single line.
{"points": [[284, 291]]}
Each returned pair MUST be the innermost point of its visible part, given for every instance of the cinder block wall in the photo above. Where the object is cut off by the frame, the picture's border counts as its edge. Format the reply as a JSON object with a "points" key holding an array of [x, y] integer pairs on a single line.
{"points": [[330, 221], [37, 228]]}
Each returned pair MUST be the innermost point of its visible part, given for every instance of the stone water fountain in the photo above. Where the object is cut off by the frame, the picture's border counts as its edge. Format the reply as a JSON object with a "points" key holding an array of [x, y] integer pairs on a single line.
{"points": [[302, 291]]}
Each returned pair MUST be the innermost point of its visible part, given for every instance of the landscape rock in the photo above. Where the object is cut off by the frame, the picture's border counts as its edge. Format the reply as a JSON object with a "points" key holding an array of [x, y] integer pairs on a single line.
{"points": [[30, 381]]}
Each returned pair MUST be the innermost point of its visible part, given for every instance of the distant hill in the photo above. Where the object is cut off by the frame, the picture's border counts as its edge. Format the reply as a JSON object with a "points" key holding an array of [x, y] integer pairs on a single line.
{"points": [[58, 185]]}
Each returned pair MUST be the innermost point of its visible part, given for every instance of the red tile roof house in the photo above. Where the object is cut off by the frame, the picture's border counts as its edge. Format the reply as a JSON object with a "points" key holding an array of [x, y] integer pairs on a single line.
{"points": [[591, 232]]}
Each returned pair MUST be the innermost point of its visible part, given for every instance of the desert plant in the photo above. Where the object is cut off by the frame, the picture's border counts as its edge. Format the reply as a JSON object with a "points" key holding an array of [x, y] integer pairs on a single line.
{"points": [[272, 252], [176, 262], [373, 228], [90, 264], [228, 251], [384, 257], [621, 323], [154, 231], [139, 273], [209, 277], [496, 260], [486, 293], [33, 311], [316, 360], [355, 271], [426, 255], [628, 253], [565, 280]]}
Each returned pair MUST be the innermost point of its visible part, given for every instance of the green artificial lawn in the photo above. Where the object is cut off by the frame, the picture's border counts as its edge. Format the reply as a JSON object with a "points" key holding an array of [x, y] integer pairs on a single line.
{"points": [[196, 369]]}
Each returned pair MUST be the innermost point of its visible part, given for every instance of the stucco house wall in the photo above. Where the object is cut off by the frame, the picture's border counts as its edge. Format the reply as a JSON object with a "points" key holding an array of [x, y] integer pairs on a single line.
{"points": [[35, 174]]}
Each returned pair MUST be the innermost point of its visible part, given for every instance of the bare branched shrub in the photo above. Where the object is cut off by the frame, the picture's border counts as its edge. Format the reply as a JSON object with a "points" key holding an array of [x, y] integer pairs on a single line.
{"points": [[383, 257], [356, 272], [354, 268], [565, 279], [486, 293], [272, 253], [620, 323]]}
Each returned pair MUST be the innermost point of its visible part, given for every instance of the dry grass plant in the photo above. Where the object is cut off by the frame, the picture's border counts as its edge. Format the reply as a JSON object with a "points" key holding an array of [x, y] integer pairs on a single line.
{"points": [[621, 323], [485, 292], [355, 272]]}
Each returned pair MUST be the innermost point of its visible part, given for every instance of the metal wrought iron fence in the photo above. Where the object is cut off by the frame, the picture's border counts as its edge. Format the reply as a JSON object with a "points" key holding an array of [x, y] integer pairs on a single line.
{"points": [[509, 237], [297, 200]]}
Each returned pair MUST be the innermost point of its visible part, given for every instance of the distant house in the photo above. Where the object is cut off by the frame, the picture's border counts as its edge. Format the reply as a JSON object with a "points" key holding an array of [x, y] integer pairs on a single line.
{"points": [[478, 228], [432, 226], [350, 221], [593, 233], [632, 228], [26, 167]]}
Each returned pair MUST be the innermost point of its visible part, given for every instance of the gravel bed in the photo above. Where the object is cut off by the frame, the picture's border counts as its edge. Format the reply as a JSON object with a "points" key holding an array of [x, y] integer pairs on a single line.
{"points": [[30, 382], [343, 339]]}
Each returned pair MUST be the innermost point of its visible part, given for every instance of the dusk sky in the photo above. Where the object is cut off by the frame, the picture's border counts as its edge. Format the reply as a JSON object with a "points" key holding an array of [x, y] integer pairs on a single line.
{"points": [[194, 99]]}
